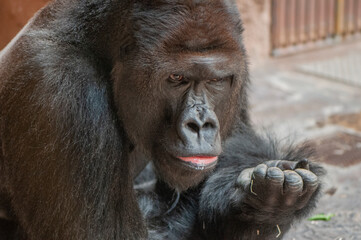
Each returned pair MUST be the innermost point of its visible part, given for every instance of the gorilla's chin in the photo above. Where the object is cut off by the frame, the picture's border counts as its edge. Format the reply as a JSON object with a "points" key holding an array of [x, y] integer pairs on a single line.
{"points": [[179, 174]]}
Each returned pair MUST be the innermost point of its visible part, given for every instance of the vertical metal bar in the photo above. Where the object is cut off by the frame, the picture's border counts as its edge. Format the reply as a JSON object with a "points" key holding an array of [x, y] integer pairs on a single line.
{"points": [[327, 17], [297, 22], [349, 17], [317, 19], [281, 13], [307, 20], [359, 15], [322, 19], [355, 14], [291, 22], [274, 25], [301, 20], [312, 19], [287, 21], [331, 22], [345, 20], [340, 17]]}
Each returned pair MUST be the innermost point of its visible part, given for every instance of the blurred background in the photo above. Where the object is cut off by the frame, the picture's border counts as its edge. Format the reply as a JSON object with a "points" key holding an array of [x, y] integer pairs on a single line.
{"points": [[305, 65]]}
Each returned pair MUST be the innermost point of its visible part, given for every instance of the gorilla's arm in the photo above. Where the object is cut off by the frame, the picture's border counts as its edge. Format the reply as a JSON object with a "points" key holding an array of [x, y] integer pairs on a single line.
{"points": [[168, 214], [63, 163], [169, 217], [251, 196]]}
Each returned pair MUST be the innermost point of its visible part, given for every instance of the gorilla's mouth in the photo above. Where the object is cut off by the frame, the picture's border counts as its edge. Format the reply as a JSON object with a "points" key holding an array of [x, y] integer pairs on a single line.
{"points": [[200, 160]]}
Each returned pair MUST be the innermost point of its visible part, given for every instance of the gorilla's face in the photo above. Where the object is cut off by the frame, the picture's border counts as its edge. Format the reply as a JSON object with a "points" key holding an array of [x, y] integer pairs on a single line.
{"points": [[178, 98]]}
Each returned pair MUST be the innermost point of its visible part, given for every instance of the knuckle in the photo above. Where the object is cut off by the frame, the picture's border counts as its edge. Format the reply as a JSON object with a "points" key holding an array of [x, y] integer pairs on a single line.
{"points": [[244, 178], [292, 177], [313, 186], [261, 168], [260, 171], [307, 176], [275, 173]]}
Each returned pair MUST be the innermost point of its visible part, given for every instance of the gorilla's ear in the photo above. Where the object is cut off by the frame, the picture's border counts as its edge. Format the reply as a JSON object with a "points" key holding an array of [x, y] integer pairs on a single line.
{"points": [[154, 3], [126, 41], [125, 50]]}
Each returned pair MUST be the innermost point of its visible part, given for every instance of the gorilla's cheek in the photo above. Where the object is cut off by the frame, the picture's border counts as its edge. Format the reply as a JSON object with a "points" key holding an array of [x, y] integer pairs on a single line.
{"points": [[142, 126]]}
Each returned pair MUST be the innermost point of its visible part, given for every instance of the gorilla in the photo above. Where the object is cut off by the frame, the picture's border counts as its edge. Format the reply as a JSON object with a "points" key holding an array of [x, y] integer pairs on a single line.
{"points": [[93, 91]]}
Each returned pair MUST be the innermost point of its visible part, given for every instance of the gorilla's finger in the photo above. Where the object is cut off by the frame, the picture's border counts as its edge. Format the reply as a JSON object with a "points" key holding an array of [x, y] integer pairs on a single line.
{"points": [[260, 172], [303, 164], [309, 178], [310, 185], [293, 186], [244, 178], [258, 181], [275, 175], [274, 187]]}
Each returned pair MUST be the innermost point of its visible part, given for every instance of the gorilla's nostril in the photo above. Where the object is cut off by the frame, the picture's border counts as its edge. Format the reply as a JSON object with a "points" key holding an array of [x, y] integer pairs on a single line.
{"points": [[194, 127], [208, 125]]}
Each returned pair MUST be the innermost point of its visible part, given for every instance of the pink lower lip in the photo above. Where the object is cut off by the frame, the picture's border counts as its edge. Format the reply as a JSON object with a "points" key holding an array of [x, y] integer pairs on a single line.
{"points": [[199, 160]]}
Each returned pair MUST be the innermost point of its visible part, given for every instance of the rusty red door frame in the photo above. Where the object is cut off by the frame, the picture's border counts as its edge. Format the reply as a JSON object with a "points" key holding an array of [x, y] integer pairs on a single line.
{"points": [[304, 24]]}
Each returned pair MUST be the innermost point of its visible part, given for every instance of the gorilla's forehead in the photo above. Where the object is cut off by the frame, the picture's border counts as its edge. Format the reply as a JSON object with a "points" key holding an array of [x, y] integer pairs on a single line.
{"points": [[158, 3], [209, 66], [207, 59], [188, 25]]}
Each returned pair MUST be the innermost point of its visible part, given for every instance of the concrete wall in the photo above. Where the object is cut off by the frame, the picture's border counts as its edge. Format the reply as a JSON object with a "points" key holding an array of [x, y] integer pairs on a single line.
{"points": [[256, 15]]}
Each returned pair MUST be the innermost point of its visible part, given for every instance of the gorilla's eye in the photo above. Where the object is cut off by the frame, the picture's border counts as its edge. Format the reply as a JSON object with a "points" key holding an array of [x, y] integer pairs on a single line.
{"points": [[176, 77], [214, 80]]}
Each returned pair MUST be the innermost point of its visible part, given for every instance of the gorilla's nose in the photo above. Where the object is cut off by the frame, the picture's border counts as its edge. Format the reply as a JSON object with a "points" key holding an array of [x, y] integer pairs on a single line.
{"points": [[198, 128]]}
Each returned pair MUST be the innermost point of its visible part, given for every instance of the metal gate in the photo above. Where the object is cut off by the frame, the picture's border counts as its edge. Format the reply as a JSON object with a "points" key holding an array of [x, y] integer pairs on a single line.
{"points": [[304, 24]]}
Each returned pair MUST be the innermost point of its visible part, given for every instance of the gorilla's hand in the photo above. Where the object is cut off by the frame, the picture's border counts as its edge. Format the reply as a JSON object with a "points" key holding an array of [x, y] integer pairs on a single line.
{"points": [[260, 202], [276, 189]]}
